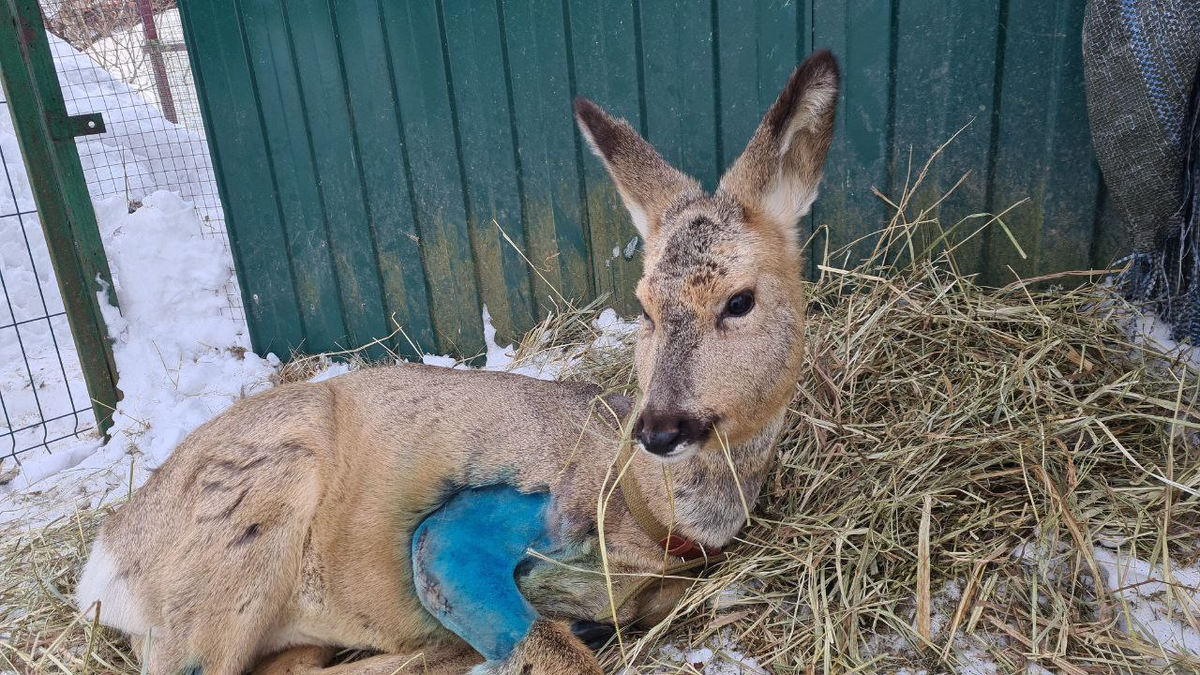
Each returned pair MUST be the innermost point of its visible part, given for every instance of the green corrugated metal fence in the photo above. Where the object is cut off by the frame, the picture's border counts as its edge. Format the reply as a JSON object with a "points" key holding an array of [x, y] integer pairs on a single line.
{"points": [[391, 163]]}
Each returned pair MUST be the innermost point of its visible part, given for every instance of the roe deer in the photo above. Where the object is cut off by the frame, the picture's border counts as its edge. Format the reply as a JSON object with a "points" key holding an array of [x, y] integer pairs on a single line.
{"points": [[284, 528]]}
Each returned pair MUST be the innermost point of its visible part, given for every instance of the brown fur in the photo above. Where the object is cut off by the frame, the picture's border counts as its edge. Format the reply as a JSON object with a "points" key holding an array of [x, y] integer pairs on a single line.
{"points": [[284, 523]]}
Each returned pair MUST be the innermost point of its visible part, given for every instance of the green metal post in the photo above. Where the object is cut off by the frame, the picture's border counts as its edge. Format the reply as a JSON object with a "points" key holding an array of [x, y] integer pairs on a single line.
{"points": [[47, 137]]}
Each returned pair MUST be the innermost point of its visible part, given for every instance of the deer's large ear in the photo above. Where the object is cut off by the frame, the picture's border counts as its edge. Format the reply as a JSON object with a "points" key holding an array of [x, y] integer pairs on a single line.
{"points": [[778, 173], [648, 185]]}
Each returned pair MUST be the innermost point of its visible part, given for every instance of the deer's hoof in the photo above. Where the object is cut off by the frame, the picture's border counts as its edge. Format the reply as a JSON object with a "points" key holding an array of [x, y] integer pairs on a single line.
{"points": [[592, 633]]}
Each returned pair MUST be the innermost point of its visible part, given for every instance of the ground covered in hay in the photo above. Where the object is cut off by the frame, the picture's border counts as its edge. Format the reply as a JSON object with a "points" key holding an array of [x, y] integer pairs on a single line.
{"points": [[971, 481]]}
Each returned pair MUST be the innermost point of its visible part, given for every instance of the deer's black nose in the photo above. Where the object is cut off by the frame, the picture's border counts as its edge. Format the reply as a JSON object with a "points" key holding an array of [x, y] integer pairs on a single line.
{"points": [[661, 432], [659, 441]]}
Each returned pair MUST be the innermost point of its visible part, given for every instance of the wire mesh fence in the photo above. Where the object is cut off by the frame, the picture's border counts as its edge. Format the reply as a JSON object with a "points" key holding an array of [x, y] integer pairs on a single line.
{"points": [[125, 59], [43, 400]]}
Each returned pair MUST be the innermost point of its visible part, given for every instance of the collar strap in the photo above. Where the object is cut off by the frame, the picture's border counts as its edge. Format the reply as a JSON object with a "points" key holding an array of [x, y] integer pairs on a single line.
{"points": [[671, 542]]}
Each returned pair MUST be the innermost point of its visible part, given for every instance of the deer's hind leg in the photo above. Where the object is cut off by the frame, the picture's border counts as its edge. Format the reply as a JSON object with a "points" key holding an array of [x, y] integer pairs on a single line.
{"points": [[448, 660], [234, 566]]}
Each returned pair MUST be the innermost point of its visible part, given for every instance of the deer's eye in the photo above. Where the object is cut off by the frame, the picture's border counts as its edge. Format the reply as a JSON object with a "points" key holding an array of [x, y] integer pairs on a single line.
{"points": [[740, 304], [646, 320]]}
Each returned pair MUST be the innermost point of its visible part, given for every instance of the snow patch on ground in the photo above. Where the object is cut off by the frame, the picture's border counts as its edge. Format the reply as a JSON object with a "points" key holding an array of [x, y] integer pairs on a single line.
{"points": [[140, 152], [180, 359], [613, 333], [123, 54], [1159, 603], [1155, 333], [39, 369], [720, 655], [333, 370], [497, 357]]}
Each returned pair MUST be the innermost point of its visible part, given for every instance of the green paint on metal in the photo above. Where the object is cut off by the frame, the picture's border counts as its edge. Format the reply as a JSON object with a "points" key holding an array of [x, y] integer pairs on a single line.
{"points": [[220, 54], [607, 55], [944, 82], [71, 126], [1043, 147], [385, 175], [1110, 242], [860, 33], [332, 141], [415, 46], [295, 181], [365, 148], [46, 136], [680, 92], [548, 149], [758, 44], [486, 136]]}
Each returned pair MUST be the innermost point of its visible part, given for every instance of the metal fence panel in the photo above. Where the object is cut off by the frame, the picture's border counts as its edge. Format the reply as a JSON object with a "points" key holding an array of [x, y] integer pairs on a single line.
{"points": [[409, 163], [125, 59], [155, 138], [46, 134], [43, 399]]}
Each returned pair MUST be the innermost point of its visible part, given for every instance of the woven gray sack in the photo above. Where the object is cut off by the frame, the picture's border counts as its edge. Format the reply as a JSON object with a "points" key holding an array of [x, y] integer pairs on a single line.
{"points": [[1140, 60]]}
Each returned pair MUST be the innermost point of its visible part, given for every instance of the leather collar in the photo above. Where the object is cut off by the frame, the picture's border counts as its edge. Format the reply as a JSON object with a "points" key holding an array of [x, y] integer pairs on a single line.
{"points": [[671, 542]]}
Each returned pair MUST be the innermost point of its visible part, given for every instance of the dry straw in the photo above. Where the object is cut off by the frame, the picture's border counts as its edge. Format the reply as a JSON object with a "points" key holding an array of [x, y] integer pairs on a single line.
{"points": [[953, 456]]}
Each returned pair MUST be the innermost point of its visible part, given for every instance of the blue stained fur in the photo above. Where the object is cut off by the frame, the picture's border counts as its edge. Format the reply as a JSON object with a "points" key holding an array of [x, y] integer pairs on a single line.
{"points": [[464, 556]]}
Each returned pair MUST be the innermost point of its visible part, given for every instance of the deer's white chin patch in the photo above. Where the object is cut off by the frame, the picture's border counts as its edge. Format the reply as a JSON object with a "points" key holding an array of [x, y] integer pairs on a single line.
{"points": [[681, 453]]}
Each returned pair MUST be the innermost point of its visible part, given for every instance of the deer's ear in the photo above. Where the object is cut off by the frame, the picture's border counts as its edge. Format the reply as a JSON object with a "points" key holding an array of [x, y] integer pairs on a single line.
{"points": [[647, 183], [779, 172]]}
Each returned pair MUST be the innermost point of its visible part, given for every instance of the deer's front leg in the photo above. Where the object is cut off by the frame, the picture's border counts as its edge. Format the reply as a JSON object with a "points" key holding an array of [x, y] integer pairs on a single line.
{"points": [[548, 649], [464, 556]]}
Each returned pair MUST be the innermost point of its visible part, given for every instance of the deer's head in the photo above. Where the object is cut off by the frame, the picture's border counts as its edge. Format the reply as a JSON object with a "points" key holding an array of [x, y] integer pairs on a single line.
{"points": [[722, 331]]}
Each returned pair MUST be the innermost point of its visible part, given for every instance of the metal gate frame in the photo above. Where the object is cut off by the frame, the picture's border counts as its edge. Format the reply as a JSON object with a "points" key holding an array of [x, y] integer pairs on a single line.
{"points": [[46, 134]]}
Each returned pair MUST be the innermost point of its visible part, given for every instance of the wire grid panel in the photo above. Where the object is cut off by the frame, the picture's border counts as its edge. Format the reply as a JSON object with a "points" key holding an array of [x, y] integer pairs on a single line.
{"points": [[127, 60], [43, 400], [155, 140]]}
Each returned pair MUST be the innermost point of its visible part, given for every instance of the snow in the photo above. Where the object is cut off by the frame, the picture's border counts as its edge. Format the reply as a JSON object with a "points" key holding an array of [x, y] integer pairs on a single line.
{"points": [[1158, 603], [180, 359], [1157, 334], [122, 54], [331, 371], [498, 358], [718, 656], [140, 152], [613, 332], [31, 373], [182, 356]]}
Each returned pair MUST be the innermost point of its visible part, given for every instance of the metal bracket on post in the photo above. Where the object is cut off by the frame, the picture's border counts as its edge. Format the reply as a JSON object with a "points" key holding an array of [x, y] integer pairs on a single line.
{"points": [[165, 47], [66, 128]]}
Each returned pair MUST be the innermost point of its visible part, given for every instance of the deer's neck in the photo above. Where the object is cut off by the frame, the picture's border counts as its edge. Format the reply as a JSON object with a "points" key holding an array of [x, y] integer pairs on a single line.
{"points": [[707, 497]]}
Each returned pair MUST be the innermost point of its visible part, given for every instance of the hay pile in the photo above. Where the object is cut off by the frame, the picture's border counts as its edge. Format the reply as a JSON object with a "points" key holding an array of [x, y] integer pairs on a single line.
{"points": [[953, 457]]}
